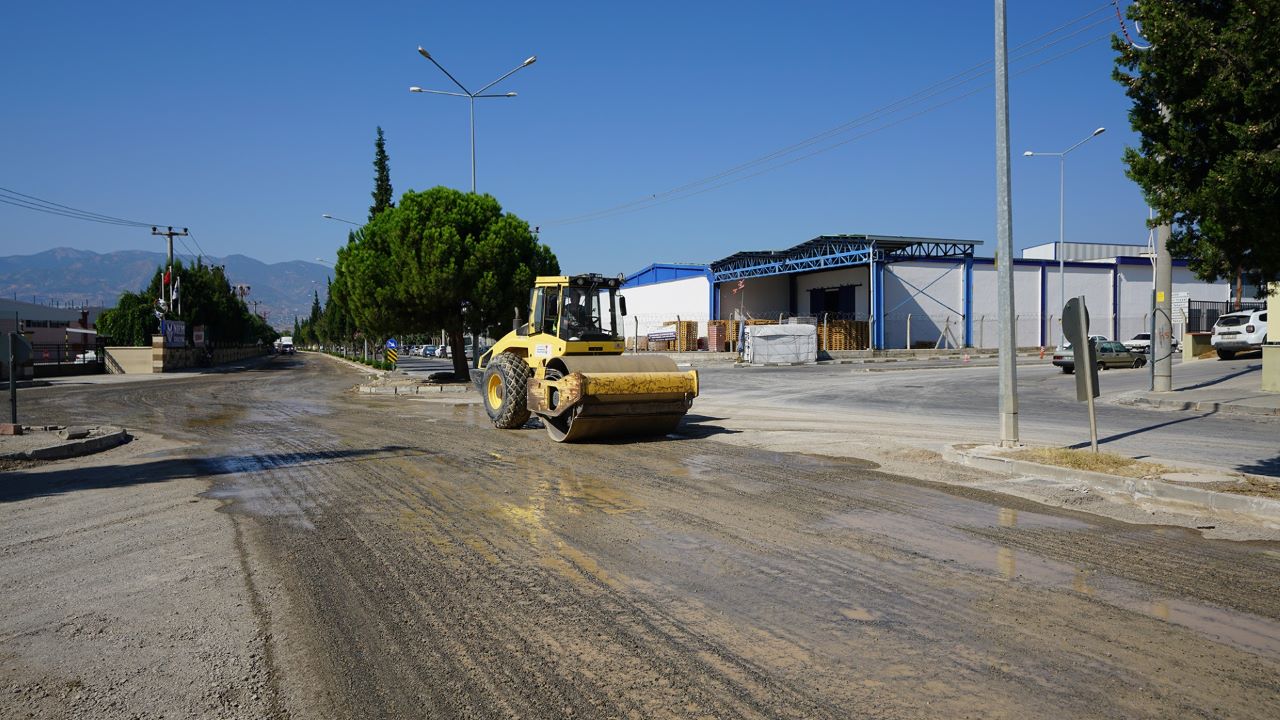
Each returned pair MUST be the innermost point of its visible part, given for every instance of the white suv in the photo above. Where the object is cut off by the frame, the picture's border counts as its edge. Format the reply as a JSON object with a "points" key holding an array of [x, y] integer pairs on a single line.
{"points": [[1239, 332]]}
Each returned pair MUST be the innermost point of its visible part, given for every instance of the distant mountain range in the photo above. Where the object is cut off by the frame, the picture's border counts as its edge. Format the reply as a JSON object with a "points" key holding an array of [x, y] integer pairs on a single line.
{"points": [[65, 276]]}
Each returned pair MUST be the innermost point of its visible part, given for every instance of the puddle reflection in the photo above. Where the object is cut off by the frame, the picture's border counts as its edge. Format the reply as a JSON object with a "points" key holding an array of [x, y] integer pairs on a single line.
{"points": [[944, 543]]}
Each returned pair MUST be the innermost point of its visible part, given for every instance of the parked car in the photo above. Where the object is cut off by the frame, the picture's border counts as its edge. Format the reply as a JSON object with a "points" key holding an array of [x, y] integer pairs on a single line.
{"points": [[1239, 332], [1064, 357], [1140, 343], [87, 357], [1112, 354]]}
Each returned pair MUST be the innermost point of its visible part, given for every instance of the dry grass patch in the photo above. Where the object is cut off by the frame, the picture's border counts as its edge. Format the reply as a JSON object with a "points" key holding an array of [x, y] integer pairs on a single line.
{"points": [[1092, 462]]}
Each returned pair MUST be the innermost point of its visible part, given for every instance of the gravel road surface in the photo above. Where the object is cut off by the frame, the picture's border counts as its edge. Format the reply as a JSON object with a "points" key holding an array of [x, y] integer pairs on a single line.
{"points": [[275, 545]]}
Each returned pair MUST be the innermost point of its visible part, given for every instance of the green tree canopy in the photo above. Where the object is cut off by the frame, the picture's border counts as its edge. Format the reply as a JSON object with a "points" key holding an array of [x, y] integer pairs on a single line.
{"points": [[1206, 101], [442, 259]]}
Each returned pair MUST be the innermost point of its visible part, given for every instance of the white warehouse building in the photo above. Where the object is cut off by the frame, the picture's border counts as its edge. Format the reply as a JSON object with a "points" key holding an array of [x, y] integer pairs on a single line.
{"points": [[935, 289]]}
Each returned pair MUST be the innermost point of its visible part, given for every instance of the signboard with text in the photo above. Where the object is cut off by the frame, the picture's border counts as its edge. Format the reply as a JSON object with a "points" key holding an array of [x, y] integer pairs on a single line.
{"points": [[174, 332]]}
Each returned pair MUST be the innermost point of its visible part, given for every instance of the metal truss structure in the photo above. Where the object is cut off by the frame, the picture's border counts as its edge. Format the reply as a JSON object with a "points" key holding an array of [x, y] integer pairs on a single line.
{"points": [[836, 251]]}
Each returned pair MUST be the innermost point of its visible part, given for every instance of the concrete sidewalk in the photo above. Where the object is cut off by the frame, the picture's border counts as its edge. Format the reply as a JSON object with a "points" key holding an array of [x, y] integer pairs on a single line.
{"points": [[1238, 394]]}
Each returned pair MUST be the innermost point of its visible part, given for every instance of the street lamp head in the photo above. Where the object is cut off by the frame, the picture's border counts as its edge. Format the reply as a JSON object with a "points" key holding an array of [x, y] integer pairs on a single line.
{"points": [[511, 94], [415, 88], [1099, 131], [532, 59], [327, 216], [424, 53], [1028, 154]]}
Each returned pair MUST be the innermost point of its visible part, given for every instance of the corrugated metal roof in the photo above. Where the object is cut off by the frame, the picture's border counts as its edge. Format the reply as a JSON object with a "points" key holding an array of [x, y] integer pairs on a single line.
{"points": [[664, 272]]}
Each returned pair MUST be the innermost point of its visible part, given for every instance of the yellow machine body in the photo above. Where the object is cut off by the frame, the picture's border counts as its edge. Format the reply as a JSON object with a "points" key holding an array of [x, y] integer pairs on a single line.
{"points": [[566, 365]]}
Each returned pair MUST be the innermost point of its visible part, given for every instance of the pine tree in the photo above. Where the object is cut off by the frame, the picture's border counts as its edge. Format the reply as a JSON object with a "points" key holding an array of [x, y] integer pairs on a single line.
{"points": [[382, 192]]}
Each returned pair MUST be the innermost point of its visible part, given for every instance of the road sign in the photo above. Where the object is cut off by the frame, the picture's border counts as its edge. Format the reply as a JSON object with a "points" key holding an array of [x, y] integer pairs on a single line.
{"points": [[1181, 301], [1075, 321], [1075, 326], [392, 356], [21, 346], [392, 344]]}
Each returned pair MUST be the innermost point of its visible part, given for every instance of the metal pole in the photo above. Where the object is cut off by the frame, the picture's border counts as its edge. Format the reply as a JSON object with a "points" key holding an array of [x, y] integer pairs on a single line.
{"points": [[1088, 377], [1162, 333], [1062, 240], [473, 144], [13, 384], [1004, 243], [1151, 342]]}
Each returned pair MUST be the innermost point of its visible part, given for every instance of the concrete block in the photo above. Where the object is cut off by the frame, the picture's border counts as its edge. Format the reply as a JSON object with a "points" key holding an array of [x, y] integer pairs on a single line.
{"points": [[74, 432], [1271, 366], [10, 429]]}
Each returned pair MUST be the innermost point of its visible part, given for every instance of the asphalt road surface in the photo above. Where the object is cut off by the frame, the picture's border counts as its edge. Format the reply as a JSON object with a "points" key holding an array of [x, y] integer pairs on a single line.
{"points": [[399, 557]]}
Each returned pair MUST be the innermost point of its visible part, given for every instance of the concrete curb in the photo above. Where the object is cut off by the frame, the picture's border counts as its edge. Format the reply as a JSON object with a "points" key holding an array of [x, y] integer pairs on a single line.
{"points": [[74, 448], [1171, 497], [1225, 408]]}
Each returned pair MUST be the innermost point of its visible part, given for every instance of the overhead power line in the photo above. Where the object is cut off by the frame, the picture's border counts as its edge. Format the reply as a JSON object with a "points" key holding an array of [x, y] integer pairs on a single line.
{"points": [[775, 160], [31, 202]]}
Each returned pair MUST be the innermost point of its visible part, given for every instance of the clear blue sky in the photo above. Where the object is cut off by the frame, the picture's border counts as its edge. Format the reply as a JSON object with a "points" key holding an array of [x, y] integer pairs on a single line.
{"points": [[247, 121]]}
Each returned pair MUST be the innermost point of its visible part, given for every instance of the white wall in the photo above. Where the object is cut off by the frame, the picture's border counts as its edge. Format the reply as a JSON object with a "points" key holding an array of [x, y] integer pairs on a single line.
{"points": [[652, 305], [1135, 296], [932, 294], [1026, 305], [1094, 283]]}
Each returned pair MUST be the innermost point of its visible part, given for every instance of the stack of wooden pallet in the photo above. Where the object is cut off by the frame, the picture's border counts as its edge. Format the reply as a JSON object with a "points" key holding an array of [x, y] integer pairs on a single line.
{"points": [[686, 335], [843, 335]]}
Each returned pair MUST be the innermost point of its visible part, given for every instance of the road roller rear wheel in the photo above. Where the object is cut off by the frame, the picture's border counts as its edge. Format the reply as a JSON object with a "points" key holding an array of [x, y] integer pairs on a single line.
{"points": [[504, 387]]}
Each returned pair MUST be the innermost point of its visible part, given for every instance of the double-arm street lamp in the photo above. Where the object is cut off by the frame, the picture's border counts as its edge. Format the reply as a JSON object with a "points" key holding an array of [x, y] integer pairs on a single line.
{"points": [[1062, 164], [472, 97]]}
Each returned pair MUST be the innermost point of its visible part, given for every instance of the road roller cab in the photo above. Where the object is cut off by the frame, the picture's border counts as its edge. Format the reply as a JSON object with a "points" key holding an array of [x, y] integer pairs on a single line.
{"points": [[566, 365]]}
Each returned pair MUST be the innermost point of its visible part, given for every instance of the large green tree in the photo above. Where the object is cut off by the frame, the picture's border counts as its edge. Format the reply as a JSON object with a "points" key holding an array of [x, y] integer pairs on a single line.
{"points": [[1206, 101], [442, 259], [382, 194]]}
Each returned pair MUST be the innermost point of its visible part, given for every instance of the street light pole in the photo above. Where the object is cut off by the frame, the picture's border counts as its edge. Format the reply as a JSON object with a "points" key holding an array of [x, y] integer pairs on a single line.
{"points": [[1062, 205], [471, 96]]}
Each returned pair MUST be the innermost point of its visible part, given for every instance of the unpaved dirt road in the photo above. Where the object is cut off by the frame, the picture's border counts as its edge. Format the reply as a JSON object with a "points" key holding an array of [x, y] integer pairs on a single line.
{"points": [[277, 546]]}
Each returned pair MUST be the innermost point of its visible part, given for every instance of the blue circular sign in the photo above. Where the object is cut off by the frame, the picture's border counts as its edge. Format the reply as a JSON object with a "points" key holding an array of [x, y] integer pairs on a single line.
{"points": [[391, 343]]}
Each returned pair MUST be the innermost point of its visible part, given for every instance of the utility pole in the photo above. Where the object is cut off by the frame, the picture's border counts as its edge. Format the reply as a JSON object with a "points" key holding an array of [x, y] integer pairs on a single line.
{"points": [[1004, 243], [167, 289], [1162, 315]]}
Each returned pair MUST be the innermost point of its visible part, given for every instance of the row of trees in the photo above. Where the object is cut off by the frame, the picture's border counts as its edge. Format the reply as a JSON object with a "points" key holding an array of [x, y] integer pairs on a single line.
{"points": [[205, 298]]}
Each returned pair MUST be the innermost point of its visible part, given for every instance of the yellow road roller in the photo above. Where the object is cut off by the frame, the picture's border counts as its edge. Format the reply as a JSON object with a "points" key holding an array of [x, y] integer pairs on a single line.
{"points": [[566, 366]]}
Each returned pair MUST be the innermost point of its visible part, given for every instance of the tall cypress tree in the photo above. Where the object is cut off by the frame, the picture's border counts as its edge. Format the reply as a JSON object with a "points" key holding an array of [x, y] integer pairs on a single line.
{"points": [[381, 178]]}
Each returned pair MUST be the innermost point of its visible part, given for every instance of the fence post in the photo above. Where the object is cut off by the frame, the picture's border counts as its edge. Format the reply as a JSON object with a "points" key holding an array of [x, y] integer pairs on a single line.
{"points": [[826, 333], [908, 345], [678, 334], [635, 339]]}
